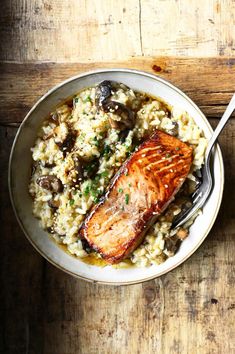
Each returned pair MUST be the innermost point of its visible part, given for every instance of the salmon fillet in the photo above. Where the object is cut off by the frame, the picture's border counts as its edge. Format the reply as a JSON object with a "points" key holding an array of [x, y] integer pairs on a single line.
{"points": [[138, 193]]}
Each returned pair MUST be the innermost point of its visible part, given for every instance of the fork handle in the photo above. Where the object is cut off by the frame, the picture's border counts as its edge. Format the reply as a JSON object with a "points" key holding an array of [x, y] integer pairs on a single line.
{"points": [[227, 114]]}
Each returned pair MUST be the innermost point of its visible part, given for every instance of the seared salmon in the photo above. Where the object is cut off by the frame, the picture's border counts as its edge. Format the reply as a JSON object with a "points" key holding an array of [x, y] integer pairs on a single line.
{"points": [[138, 193]]}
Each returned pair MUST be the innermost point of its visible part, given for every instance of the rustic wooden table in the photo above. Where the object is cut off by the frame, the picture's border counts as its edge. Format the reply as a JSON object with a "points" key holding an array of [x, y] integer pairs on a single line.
{"points": [[191, 309]]}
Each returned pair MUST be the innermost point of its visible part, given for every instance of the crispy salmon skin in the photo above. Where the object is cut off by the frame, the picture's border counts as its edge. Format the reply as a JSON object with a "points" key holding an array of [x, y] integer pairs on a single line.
{"points": [[139, 192]]}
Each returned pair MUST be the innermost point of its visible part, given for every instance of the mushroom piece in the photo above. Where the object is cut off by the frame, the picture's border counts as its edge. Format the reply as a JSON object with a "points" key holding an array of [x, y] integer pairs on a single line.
{"points": [[86, 246], [103, 101], [127, 118], [91, 168], [68, 143], [54, 117], [51, 183], [102, 93], [78, 167], [54, 204], [34, 167], [172, 244], [175, 130], [49, 135]]}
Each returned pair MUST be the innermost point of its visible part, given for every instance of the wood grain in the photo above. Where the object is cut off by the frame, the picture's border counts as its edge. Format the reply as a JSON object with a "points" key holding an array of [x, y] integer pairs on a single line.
{"points": [[208, 81], [87, 30], [190, 310]]}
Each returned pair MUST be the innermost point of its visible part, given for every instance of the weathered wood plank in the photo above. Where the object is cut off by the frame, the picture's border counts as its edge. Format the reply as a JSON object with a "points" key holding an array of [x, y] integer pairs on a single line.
{"points": [[21, 273], [87, 30], [195, 28], [190, 310], [208, 81]]}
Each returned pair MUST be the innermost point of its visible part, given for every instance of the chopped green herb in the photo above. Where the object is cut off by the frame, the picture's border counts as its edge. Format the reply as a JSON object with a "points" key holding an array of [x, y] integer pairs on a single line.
{"points": [[102, 134], [86, 190], [80, 195], [96, 141], [123, 208], [126, 173], [81, 137], [94, 193], [96, 199], [128, 147], [71, 202], [106, 150], [76, 99], [120, 190], [177, 148], [127, 197], [96, 179], [104, 174], [168, 155], [87, 99], [129, 184]]}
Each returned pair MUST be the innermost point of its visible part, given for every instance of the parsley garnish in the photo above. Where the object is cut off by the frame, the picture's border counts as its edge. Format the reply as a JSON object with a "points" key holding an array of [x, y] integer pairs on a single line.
{"points": [[86, 190], [106, 150], [104, 174], [87, 99], [127, 197]]}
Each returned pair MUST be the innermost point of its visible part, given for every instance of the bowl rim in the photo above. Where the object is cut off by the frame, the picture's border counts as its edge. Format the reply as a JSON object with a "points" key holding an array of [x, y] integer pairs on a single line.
{"points": [[101, 71]]}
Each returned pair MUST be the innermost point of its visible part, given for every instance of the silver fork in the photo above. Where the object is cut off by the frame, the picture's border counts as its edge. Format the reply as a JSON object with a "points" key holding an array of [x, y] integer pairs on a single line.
{"points": [[199, 197]]}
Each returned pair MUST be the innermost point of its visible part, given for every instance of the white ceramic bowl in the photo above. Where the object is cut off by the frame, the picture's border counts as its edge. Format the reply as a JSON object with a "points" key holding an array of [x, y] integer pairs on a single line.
{"points": [[19, 172]]}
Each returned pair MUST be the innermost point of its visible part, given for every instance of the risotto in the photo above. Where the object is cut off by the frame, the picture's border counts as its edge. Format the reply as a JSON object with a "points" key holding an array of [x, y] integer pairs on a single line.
{"points": [[78, 150]]}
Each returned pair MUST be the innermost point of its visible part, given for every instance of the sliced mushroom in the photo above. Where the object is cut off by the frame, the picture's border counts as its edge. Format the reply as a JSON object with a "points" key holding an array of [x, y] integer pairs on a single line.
{"points": [[127, 118], [123, 134], [49, 135], [54, 204], [54, 117], [34, 167], [50, 230], [61, 113], [172, 244], [51, 183], [49, 165], [78, 168], [175, 130], [68, 143], [103, 101], [90, 169], [103, 93]]}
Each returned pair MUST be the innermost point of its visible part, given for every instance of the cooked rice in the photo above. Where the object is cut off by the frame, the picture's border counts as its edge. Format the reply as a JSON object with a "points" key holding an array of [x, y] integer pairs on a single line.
{"points": [[96, 141]]}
